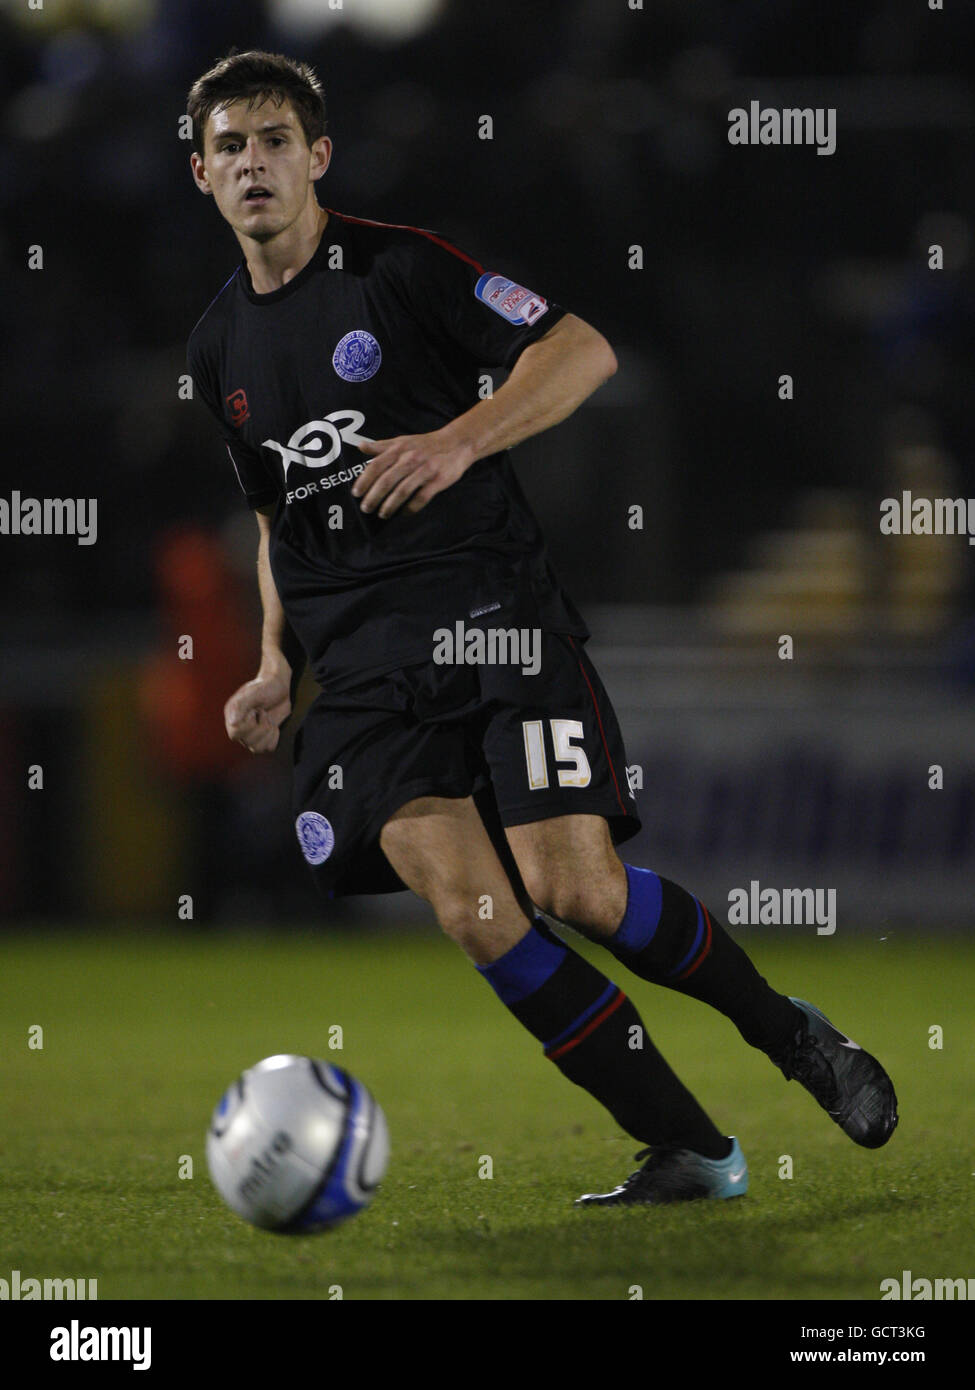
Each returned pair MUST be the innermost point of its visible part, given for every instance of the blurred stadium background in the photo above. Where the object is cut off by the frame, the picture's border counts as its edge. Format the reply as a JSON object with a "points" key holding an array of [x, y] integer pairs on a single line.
{"points": [[760, 515]]}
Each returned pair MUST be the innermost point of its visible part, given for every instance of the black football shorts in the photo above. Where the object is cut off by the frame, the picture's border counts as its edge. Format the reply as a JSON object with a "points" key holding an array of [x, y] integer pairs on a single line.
{"points": [[527, 746]]}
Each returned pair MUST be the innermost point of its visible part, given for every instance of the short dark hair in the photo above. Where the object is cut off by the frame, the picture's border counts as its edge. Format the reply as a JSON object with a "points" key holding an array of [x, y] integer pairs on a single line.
{"points": [[255, 77]]}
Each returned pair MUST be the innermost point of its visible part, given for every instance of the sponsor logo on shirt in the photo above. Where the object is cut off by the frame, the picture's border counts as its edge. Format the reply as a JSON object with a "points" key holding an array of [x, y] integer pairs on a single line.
{"points": [[357, 356], [513, 302], [319, 443], [319, 485]]}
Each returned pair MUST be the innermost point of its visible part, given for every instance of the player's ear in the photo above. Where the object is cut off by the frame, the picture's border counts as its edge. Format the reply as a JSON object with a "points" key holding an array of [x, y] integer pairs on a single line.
{"points": [[321, 154], [200, 176]]}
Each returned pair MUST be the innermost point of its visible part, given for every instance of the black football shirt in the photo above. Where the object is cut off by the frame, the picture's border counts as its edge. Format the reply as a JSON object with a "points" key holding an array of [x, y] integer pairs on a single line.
{"points": [[386, 331]]}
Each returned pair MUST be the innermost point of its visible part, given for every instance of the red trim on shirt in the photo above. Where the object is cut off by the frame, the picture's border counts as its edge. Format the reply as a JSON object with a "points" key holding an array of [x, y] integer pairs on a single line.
{"points": [[403, 227]]}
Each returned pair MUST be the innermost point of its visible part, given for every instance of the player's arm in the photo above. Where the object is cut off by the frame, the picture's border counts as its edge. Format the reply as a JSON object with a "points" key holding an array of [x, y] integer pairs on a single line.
{"points": [[551, 377], [255, 713]]}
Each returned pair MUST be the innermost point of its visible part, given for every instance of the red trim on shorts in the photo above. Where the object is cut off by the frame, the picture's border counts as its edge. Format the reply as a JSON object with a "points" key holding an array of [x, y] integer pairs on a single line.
{"points": [[602, 732]]}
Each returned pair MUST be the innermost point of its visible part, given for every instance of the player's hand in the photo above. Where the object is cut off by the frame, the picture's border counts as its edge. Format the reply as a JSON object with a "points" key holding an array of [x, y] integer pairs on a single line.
{"points": [[409, 470], [254, 714]]}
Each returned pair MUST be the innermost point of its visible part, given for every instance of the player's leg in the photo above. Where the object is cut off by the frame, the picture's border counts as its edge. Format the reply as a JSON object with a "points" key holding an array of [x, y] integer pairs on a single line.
{"points": [[666, 935], [440, 849], [558, 762], [654, 927], [588, 1027], [557, 759]]}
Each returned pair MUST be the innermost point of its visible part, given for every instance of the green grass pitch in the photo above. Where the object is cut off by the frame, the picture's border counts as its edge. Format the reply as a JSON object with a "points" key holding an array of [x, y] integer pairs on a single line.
{"points": [[141, 1033]]}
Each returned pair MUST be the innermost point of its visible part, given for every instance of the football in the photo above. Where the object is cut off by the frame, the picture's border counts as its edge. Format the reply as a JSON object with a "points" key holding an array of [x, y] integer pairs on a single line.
{"points": [[297, 1145]]}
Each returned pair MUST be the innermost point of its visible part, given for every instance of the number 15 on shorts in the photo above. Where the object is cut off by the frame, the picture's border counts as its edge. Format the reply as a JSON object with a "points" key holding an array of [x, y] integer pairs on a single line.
{"points": [[563, 731]]}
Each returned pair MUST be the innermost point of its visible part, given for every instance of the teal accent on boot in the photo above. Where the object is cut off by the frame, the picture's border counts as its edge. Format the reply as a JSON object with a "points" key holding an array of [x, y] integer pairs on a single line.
{"points": [[676, 1175]]}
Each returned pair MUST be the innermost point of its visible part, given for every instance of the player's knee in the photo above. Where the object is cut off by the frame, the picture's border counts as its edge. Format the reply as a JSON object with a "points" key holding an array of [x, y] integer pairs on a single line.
{"points": [[482, 925], [576, 900], [459, 917]]}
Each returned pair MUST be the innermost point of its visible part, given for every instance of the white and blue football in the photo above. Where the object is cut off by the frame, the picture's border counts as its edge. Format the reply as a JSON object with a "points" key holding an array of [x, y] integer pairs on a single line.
{"points": [[297, 1145]]}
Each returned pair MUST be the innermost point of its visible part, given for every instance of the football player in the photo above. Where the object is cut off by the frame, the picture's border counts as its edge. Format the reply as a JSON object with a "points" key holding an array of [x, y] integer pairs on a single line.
{"points": [[479, 758]]}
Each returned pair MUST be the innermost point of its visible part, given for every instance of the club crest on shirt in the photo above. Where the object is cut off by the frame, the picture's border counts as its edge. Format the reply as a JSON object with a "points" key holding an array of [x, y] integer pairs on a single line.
{"points": [[513, 302], [357, 356], [316, 836]]}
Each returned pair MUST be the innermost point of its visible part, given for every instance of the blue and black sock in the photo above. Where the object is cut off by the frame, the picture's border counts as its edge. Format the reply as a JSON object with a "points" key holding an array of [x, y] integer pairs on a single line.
{"points": [[594, 1035], [669, 937]]}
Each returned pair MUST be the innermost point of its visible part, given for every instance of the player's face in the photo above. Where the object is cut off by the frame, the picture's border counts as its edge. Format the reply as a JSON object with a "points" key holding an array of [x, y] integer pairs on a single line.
{"points": [[258, 166]]}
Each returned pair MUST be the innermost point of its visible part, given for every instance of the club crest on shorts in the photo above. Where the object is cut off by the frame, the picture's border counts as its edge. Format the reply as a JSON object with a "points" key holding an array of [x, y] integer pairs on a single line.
{"points": [[316, 836], [357, 356]]}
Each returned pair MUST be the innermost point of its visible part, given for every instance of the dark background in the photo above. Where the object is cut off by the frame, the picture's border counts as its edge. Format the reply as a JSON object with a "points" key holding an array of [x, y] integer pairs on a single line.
{"points": [[610, 131]]}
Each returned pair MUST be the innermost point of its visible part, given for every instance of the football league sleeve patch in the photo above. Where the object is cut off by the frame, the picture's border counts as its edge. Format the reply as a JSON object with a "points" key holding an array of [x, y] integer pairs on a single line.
{"points": [[516, 303], [489, 315]]}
